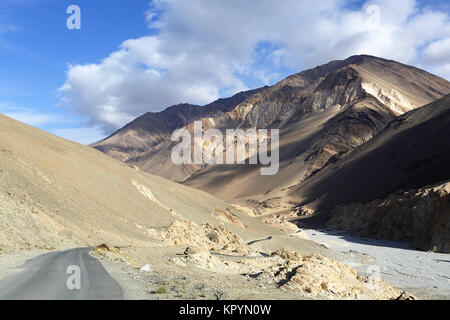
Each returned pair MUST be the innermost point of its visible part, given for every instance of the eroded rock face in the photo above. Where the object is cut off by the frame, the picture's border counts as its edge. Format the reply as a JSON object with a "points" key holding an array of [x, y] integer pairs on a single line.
{"points": [[355, 125], [320, 277], [281, 221], [287, 255], [228, 216], [207, 236], [421, 216], [312, 277]]}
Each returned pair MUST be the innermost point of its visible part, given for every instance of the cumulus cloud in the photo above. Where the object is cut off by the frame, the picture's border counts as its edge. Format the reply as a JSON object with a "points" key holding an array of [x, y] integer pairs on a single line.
{"points": [[145, 76], [438, 52], [201, 50], [437, 56]]}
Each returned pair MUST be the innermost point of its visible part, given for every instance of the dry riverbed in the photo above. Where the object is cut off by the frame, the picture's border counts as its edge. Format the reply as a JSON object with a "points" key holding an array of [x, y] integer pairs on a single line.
{"points": [[424, 274], [164, 275]]}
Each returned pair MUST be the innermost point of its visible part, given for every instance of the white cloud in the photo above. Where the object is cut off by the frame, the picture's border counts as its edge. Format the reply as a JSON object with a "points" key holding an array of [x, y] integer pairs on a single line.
{"points": [[437, 52], [437, 56], [142, 77], [204, 48], [442, 70]]}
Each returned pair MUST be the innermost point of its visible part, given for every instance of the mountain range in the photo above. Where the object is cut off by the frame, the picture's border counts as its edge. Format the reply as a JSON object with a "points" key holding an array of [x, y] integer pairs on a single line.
{"points": [[351, 131]]}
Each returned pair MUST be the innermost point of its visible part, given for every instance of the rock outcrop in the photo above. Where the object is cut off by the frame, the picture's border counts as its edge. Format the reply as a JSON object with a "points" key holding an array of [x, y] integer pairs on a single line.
{"points": [[208, 236], [317, 276], [419, 216]]}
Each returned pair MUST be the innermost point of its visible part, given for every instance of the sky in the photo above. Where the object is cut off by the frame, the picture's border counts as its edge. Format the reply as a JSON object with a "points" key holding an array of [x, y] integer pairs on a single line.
{"points": [[132, 57]]}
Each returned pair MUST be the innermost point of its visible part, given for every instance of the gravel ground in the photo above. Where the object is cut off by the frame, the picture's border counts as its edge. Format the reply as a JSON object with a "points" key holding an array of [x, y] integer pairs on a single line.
{"points": [[425, 274], [166, 281], [11, 263]]}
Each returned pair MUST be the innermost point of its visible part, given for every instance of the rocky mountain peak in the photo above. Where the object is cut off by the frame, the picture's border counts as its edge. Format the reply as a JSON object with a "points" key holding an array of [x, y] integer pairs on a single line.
{"points": [[323, 113]]}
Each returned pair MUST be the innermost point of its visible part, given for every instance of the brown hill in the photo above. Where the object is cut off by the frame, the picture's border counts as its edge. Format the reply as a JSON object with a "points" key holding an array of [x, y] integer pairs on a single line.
{"points": [[380, 188], [57, 194], [322, 113], [411, 152], [339, 112], [151, 129]]}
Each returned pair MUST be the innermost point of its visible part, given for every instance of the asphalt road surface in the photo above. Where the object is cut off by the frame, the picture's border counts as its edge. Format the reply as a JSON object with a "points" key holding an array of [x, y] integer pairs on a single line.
{"points": [[67, 275]]}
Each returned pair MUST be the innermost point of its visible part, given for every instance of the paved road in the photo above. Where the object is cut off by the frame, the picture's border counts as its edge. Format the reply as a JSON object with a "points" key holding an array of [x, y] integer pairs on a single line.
{"points": [[46, 277]]}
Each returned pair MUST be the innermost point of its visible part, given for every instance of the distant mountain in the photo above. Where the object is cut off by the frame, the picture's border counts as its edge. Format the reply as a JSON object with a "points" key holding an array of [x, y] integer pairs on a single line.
{"points": [[151, 129], [411, 152], [322, 113], [380, 188]]}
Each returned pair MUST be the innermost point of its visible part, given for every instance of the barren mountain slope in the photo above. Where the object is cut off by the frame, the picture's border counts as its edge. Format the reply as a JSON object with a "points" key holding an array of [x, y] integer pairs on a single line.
{"points": [[55, 193], [322, 113], [348, 107], [151, 129], [393, 187], [411, 152], [398, 86]]}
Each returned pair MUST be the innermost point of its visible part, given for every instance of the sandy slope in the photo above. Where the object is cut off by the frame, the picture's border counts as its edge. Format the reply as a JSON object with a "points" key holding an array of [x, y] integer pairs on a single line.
{"points": [[57, 194]]}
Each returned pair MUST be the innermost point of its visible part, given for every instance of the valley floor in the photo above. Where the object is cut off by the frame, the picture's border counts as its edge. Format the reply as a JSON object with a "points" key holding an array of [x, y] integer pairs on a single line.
{"points": [[424, 274]]}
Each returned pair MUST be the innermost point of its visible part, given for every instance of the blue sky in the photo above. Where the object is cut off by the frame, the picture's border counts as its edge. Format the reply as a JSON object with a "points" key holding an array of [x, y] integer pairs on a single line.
{"points": [[37, 46], [131, 57]]}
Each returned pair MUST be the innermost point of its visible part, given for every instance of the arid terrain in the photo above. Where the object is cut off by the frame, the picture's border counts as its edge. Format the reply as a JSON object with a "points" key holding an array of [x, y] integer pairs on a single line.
{"points": [[364, 148], [56, 195], [322, 114], [351, 131]]}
